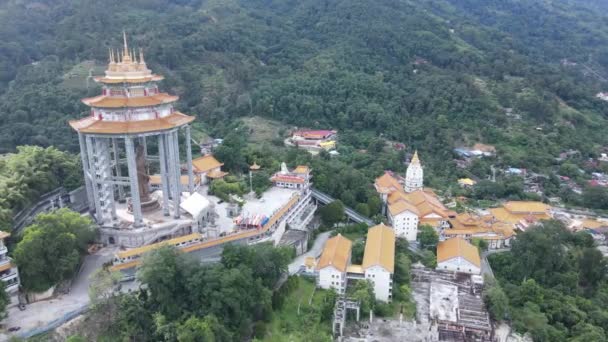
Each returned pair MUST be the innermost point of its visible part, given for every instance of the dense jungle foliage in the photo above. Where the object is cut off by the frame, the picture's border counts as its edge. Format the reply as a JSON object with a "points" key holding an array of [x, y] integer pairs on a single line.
{"points": [[433, 74], [552, 285]]}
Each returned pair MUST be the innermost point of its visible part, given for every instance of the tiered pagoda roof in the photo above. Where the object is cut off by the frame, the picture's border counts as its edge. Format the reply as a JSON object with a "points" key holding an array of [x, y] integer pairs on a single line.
{"points": [[129, 103], [105, 101], [92, 125]]}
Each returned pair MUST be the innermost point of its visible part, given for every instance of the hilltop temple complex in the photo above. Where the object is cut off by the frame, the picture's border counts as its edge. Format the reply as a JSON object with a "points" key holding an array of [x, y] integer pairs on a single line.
{"points": [[407, 206], [143, 198], [130, 113]]}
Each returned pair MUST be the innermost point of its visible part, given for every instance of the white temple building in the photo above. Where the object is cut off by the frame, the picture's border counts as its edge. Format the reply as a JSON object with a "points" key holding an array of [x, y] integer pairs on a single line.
{"points": [[414, 175]]}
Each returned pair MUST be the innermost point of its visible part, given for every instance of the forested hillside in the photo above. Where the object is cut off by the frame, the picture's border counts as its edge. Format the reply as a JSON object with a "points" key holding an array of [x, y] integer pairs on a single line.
{"points": [[434, 74]]}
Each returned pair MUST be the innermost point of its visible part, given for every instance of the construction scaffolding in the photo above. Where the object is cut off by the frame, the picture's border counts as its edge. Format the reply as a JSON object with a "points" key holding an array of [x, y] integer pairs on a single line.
{"points": [[342, 306], [453, 302]]}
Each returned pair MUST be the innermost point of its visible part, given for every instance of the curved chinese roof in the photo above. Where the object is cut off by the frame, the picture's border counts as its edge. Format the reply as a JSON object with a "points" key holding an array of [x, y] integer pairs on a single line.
{"points": [[93, 125], [104, 101]]}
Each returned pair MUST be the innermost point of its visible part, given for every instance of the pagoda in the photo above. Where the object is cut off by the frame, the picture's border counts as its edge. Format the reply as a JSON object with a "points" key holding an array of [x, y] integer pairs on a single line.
{"points": [[129, 113], [414, 175]]}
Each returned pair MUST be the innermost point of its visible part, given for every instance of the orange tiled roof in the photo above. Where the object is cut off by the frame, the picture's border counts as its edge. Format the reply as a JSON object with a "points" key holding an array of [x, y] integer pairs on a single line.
{"points": [[380, 248], [502, 214], [205, 163], [104, 101], [593, 224], [396, 196], [156, 179], [336, 253], [92, 125], [427, 203], [215, 174], [526, 207], [464, 221], [469, 231], [301, 169], [484, 147], [401, 206], [6, 266], [458, 247], [287, 178], [143, 79], [387, 184]]}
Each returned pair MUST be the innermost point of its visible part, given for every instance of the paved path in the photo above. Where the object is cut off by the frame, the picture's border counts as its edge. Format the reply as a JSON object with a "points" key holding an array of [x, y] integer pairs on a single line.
{"points": [[315, 251], [40, 314]]}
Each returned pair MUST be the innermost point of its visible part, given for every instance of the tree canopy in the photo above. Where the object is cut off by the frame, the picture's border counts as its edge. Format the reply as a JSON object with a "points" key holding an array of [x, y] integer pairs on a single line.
{"points": [[552, 284], [51, 248], [31, 172], [185, 300]]}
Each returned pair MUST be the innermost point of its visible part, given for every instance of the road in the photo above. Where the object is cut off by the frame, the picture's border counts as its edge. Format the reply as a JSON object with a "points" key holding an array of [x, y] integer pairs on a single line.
{"points": [[315, 251], [41, 314]]}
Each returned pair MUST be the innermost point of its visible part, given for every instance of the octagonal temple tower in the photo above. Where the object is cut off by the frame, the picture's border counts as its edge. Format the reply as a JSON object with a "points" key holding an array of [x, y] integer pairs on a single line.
{"points": [[129, 113]]}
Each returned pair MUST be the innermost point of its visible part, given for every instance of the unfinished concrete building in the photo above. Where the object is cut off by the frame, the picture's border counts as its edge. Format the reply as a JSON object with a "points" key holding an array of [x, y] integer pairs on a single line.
{"points": [[452, 303]]}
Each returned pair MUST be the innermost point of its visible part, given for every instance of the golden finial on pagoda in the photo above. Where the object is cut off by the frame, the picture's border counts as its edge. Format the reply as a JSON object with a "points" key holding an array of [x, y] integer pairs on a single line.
{"points": [[415, 159], [133, 56], [111, 56], [141, 56], [124, 38], [126, 58]]}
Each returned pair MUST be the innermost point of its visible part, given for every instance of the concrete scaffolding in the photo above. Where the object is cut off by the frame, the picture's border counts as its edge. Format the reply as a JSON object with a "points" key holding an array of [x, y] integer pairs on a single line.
{"points": [[452, 301]]}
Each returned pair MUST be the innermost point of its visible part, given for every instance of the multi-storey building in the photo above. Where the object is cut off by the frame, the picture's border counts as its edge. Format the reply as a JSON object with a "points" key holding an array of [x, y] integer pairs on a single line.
{"points": [[9, 273], [333, 264], [379, 261], [457, 255], [130, 112], [334, 268]]}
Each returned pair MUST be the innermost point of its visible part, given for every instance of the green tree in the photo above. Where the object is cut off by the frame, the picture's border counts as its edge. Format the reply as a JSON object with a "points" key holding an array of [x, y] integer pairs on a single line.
{"points": [[363, 291], [196, 329], [134, 320], [496, 300], [102, 285], [267, 263], [362, 209], [403, 265], [427, 237], [163, 271], [4, 300], [480, 243], [595, 197], [428, 258], [332, 213], [592, 267], [51, 248], [374, 204], [357, 252]]}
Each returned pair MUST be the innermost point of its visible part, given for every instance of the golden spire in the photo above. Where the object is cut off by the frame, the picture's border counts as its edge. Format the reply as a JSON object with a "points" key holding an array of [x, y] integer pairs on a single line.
{"points": [[133, 56], [124, 38], [111, 56], [126, 58], [141, 56], [415, 159]]}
